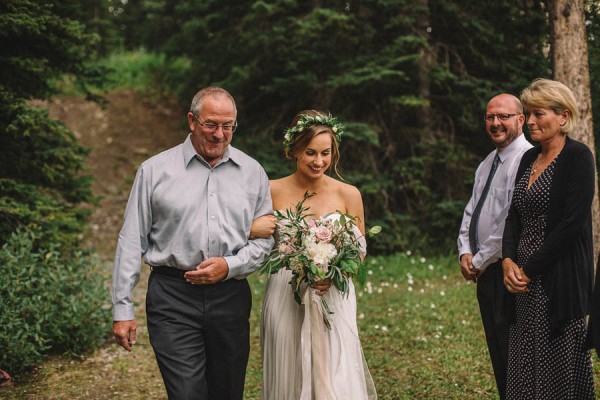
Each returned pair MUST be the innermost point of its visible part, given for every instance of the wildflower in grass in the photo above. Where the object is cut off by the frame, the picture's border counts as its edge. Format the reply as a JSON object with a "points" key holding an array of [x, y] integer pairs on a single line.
{"points": [[442, 293], [384, 328], [408, 252], [422, 260], [430, 266]]}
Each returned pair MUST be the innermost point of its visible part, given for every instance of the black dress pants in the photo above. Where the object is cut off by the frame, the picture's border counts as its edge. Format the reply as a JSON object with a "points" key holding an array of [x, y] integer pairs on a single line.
{"points": [[492, 296], [200, 335]]}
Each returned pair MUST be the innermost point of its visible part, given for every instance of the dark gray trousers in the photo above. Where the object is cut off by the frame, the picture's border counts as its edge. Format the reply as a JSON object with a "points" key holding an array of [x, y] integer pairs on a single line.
{"points": [[200, 335], [491, 295]]}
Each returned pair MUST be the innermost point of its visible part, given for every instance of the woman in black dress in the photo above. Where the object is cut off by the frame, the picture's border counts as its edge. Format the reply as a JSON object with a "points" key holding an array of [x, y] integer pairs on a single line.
{"points": [[547, 250]]}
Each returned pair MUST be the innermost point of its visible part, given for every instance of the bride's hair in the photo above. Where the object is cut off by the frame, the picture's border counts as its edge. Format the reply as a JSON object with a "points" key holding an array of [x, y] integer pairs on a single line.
{"points": [[301, 140]]}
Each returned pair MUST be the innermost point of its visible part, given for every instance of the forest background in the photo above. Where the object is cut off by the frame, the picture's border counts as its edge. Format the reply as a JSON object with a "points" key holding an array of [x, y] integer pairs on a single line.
{"points": [[410, 79]]}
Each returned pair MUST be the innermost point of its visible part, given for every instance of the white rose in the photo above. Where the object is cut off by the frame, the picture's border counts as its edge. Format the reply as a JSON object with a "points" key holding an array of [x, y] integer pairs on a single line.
{"points": [[322, 253]]}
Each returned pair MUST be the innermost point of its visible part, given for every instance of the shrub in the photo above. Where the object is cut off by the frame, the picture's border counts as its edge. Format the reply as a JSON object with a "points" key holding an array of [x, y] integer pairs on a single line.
{"points": [[51, 302]]}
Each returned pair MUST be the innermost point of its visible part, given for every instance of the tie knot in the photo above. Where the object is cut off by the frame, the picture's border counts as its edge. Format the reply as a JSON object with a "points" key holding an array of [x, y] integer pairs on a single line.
{"points": [[495, 162]]}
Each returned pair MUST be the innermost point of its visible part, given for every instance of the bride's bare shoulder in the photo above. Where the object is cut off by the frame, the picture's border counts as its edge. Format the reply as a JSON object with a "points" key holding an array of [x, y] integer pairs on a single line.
{"points": [[346, 190]]}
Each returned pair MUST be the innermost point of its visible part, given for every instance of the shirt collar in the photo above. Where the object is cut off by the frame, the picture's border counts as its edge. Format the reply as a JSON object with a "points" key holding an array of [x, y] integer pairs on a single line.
{"points": [[189, 153], [511, 148]]}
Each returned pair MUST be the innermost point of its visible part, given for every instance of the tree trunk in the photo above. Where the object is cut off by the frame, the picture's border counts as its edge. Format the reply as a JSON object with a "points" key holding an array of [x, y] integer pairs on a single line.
{"points": [[570, 66], [425, 63]]}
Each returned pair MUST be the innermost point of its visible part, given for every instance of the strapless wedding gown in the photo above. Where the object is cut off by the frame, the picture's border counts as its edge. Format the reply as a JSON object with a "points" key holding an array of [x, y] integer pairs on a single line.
{"points": [[302, 359]]}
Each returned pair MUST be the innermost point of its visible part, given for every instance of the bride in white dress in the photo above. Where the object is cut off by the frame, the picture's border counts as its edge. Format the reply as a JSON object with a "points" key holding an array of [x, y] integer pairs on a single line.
{"points": [[302, 359]]}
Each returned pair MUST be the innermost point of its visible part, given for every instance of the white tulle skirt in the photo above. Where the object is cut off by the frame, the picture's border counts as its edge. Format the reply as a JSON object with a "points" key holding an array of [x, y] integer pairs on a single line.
{"points": [[302, 359]]}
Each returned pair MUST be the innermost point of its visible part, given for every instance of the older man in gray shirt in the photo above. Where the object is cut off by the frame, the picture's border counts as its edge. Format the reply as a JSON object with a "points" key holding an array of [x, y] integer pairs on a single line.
{"points": [[480, 236], [189, 215]]}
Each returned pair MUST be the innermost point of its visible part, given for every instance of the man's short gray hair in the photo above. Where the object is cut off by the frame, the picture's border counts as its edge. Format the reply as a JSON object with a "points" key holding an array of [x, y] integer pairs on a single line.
{"points": [[210, 91]]}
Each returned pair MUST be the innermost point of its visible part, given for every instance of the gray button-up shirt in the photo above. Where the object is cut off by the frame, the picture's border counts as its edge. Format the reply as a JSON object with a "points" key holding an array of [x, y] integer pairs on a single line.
{"points": [[181, 212], [496, 205]]}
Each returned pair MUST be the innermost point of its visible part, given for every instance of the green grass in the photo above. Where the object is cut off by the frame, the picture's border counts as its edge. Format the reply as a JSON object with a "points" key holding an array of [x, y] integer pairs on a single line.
{"points": [[420, 329], [419, 325], [142, 71], [146, 72]]}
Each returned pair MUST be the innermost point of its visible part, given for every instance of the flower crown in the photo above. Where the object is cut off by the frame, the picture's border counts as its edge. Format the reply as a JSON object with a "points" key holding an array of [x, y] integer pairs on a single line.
{"points": [[306, 121]]}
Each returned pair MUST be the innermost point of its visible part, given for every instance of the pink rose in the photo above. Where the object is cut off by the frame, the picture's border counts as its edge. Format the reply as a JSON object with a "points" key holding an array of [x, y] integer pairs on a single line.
{"points": [[323, 234]]}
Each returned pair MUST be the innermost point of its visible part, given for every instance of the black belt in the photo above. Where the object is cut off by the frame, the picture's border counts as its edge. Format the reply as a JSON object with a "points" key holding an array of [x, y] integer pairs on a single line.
{"points": [[171, 271]]}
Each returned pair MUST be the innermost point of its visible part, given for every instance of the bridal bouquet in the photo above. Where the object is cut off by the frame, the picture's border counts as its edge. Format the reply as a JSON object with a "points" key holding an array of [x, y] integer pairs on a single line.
{"points": [[316, 249]]}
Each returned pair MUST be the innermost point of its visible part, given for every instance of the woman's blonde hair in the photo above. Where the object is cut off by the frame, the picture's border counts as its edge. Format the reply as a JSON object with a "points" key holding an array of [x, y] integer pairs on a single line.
{"points": [[300, 141], [546, 93]]}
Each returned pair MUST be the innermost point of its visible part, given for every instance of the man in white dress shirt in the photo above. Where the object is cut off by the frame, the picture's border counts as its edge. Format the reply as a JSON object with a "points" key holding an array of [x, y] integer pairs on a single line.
{"points": [[480, 237]]}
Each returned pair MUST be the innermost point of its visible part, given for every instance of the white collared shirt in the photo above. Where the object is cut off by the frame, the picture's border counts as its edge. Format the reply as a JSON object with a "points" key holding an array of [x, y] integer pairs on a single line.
{"points": [[496, 205]]}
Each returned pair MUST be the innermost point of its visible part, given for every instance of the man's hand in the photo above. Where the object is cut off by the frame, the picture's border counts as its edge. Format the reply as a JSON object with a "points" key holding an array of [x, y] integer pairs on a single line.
{"points": [[515, 279], [263, 227], [124, 332], [467, 269], [209, 271]]}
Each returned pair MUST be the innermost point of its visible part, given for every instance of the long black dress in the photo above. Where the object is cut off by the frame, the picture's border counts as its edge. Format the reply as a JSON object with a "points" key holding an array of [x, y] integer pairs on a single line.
{"points": [[542, 365]]}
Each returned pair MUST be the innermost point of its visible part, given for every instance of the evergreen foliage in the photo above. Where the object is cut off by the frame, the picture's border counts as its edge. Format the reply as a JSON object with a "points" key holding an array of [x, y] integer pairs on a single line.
{"points": [[49, 298], [409, 79], [39, 157]]}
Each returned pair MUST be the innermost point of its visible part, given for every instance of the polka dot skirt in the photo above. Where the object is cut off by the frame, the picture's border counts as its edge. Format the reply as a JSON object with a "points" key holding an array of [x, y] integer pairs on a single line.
{"points": [[540, 365]]}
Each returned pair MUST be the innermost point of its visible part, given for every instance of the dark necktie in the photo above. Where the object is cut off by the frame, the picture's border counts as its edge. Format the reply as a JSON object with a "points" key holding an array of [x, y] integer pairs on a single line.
{"points": [[473, 240]]}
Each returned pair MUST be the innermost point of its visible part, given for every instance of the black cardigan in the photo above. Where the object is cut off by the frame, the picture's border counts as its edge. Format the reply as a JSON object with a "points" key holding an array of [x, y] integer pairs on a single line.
{"points": [[564, 260]]}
